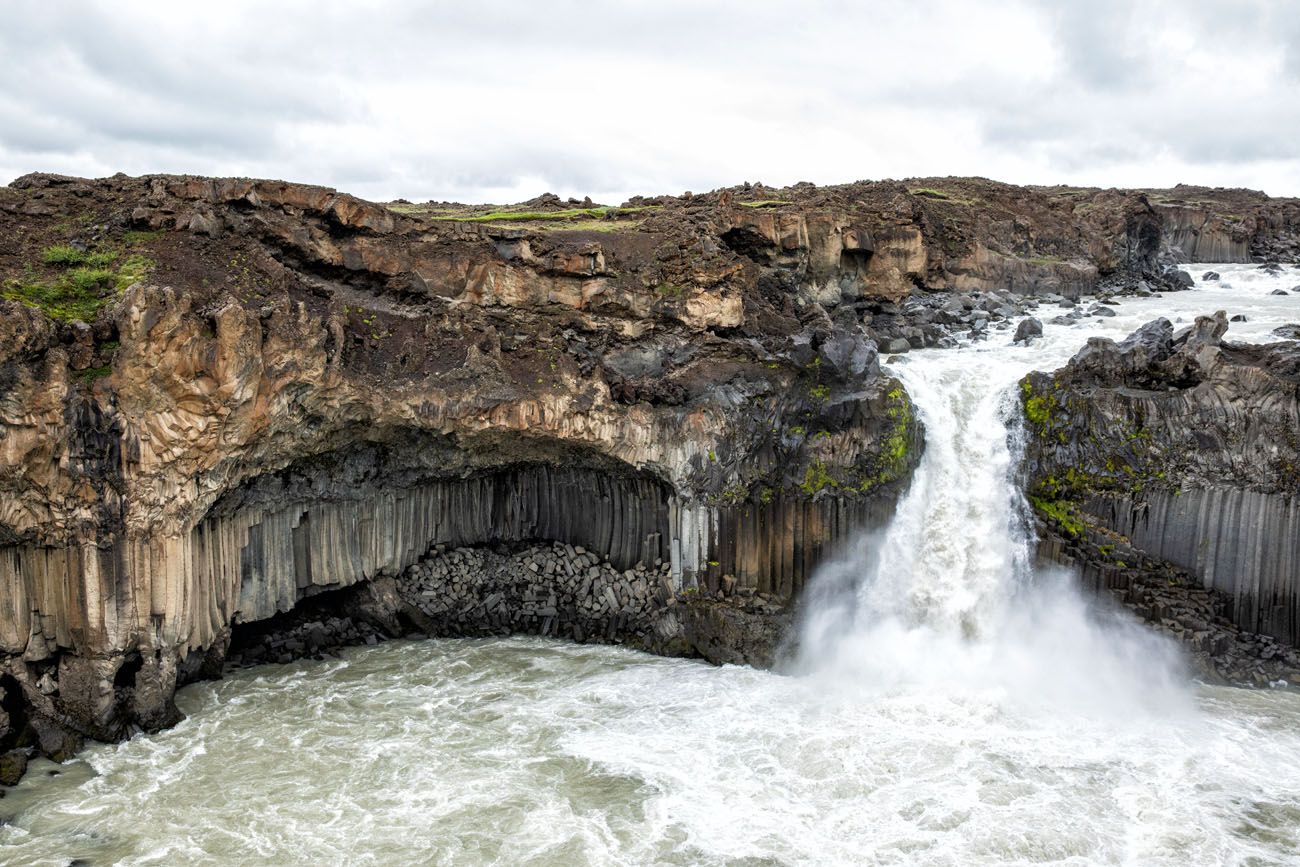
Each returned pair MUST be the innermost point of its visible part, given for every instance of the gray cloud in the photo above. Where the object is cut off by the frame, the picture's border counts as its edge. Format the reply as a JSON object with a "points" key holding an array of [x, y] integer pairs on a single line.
{"points": [[502, 101]]}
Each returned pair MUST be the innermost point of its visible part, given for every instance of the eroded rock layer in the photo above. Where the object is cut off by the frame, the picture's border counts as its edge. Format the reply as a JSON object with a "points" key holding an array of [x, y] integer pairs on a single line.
{"points": [[552, 589], [1186, 447], [220, 397]]}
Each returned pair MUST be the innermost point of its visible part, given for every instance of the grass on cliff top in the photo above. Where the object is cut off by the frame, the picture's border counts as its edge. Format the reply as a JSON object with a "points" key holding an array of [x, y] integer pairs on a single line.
{"points": [[764, 203], [86, 282], [67, 257], [598, 219], [940, 196]]}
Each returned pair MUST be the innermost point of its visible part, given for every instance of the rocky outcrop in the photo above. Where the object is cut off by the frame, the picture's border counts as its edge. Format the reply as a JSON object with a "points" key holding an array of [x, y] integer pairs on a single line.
{"points": [[1186, 447], [556, 590], [1217, 225], [293, 392], [220, 398]]}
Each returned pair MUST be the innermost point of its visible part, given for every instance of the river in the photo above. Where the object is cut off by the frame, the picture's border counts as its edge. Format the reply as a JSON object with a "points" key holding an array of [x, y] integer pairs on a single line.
{"points": [[951, 705]]}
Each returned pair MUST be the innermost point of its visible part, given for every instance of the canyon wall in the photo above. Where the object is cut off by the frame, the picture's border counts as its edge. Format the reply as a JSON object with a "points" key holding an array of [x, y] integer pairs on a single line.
{"points": [[1186, 447], [1199, 224], [222, 397]]}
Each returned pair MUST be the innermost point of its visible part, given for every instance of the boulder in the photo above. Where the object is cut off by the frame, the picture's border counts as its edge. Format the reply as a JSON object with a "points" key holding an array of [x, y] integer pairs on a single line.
{"points": [[850, 355], [1027, 330], [13, 765]]}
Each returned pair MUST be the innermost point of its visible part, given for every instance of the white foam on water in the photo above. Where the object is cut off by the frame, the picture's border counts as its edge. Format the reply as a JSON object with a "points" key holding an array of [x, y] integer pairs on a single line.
{"points": [[950, 707]]}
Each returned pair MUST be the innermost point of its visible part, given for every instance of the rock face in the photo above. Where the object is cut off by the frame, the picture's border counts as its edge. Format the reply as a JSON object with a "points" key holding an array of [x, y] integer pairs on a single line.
{"points": [[554, 589], [1186, 447], [280, 390], [1214, 225], [220, 398]]}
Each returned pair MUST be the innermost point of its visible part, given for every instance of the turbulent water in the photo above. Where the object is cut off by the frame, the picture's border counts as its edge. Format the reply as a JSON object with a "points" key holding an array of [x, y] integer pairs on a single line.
{"points": [[949, 706]]}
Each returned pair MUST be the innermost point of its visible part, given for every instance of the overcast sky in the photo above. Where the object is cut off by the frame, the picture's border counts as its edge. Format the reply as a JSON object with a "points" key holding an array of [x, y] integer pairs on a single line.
{"points": [[499, 101]]}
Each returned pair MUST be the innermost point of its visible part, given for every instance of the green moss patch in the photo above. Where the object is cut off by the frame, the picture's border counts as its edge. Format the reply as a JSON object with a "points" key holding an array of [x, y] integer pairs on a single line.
{"points": [[66, 256], [91, 374], [895, 446], [817, 478], [87, 281], [1062, 513]]}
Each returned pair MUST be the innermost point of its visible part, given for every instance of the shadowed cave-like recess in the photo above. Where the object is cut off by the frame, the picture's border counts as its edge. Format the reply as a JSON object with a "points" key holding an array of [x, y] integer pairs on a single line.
{"points": [[373, 510], [286, 551]]}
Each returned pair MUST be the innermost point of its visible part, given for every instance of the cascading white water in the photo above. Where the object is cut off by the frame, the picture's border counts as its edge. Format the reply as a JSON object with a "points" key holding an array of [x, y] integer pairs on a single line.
{"points": [[956, 708], [947, 596], [957, 546]]}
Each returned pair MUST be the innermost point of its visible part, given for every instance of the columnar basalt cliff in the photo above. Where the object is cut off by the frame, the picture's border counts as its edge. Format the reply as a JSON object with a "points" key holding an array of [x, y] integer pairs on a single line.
{"points": [[221, 397], [1204, 225], [1184, 449]]}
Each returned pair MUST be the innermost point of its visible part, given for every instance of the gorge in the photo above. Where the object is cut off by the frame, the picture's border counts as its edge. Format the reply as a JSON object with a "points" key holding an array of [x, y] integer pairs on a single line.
{"points": [[282, 420]]}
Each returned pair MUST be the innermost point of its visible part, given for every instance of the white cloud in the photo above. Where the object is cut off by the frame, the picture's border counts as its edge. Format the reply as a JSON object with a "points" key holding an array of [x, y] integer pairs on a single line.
{"points": [[501, 101]]}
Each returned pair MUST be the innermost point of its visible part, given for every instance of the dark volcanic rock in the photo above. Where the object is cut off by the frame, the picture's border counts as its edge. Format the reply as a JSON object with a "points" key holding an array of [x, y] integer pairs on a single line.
{"points": [[1182, 447], [555, 590], [726, 634], [13, 765], [284, 391], [277, 391], [1027, 330]]}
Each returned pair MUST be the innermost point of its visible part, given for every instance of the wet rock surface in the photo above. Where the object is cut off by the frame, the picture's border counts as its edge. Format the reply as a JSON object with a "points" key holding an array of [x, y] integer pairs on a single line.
{"points": [[1183, 446], [271, 391], [1174, 602], [556, 590]]}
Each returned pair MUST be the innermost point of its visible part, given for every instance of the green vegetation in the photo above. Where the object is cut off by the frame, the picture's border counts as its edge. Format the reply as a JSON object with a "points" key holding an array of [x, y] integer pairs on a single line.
{"points": [[135, 237], [411, 208], [1063, 513], [509, 216], [91, 374], [601, 218], [592, 226], [940, 196], [79, 294], [134, 269], [894, 449], [817, 478], [67, 257], [86, 282], [1038, 408], [764, 203], [734, 494], [820, 392], [892, 463]]}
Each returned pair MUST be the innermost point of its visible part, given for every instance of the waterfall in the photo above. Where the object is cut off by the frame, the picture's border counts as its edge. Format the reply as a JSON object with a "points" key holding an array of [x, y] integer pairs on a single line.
{"points": [[948, 594]]}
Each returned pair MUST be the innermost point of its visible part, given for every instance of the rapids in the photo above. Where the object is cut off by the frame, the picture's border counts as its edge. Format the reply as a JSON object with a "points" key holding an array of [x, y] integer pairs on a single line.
{"points": [[948, 704]]}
